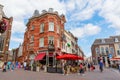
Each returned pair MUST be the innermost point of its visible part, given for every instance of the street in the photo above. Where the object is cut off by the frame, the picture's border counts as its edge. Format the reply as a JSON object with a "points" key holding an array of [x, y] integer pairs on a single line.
{"points": [[107, 74]]}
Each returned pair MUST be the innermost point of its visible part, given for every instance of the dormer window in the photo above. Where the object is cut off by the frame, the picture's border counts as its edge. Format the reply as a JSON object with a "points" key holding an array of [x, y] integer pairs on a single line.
{"points": [[116, 39], [103, 41]]}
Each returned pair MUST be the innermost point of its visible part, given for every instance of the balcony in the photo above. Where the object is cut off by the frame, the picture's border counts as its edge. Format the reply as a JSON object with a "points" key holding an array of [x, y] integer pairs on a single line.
{"points": [[51, 46]]}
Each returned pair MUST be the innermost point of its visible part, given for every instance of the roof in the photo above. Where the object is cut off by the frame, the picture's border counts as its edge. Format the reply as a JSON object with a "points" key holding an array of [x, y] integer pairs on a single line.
{"points": [[109, 40], [36, 14]]}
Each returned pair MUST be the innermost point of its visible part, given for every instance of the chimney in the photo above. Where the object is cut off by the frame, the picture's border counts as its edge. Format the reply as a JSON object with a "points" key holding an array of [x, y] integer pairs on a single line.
{"points": [[44, 11], [50, 10], [36, 13]]}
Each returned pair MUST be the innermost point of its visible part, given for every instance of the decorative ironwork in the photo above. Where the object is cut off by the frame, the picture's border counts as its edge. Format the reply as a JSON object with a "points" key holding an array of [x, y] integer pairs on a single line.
{"points": [[51, 46]]}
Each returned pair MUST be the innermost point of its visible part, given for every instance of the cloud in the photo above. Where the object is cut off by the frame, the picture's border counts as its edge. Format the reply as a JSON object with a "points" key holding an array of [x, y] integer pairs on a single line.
{"points": [[86, 30], [22, 9], [110, 11], [18, 27], [16, 39], [85, 9]]}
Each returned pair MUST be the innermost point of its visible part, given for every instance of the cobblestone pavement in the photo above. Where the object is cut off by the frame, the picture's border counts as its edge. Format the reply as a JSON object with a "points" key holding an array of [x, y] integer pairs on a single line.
{"points": [[107, 74]]}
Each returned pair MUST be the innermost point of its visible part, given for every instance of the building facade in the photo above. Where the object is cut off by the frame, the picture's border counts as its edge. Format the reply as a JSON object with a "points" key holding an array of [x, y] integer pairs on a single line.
{"points": [[69, 43], [45, 33], [5, 37], [106, 49]]}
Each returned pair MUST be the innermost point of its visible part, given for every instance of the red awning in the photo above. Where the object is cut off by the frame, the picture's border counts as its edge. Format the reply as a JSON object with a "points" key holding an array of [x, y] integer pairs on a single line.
{"points": [[115, 59], [40, 56], [70, 57]]}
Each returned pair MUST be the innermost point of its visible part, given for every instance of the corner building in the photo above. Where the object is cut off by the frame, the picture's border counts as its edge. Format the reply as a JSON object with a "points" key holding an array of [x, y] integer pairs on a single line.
{"points": [[106, 49], [43, 35], [5, 37]]}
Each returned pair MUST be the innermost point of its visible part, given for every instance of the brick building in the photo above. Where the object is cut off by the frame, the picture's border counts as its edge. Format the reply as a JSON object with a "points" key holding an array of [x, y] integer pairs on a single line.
{"points": [[45, 35], [5, 37], [106, 48]]}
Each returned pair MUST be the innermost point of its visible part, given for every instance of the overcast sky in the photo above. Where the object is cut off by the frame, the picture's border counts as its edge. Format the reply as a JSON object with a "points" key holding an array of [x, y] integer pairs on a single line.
{"points": [[86, 19]]}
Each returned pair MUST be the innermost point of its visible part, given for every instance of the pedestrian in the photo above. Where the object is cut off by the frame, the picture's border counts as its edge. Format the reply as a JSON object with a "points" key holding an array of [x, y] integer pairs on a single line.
{"points": [[101, 65], [89, 66], [24, 65], [81, 69], [16, 64], [4, 66], [119, 67], [12, 66]]}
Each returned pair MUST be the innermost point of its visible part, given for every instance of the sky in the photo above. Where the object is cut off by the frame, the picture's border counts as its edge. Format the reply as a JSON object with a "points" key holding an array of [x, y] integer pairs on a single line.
{"points": [[86, 19]]}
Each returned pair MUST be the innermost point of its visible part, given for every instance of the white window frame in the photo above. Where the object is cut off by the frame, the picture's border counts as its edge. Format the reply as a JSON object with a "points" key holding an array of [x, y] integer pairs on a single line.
{"points": [[116, 40], [42, 28], [51, 26], [41, 42]]}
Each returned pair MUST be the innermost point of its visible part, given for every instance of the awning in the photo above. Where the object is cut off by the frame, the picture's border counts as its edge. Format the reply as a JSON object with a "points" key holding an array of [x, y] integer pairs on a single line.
{"points": [[40, 56], [115, 59]]}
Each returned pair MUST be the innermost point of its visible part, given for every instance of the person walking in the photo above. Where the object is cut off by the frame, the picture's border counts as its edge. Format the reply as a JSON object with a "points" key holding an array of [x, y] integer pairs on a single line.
{"points": [[101, 65], [25, 64], [89, 66], [119, 67], [4, 66], [12, 65], [81, 69]]}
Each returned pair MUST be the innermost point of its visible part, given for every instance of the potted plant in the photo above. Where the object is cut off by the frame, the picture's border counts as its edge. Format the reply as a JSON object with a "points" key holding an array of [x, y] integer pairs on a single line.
{"points": [[34, 66], [38, 66]]}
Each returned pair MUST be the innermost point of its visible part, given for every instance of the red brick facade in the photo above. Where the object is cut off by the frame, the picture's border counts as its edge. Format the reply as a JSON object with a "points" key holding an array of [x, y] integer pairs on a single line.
{"points": [[33, 47]]}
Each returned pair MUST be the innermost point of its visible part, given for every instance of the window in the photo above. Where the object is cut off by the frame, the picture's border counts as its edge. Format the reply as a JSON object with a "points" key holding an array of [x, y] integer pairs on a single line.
{"points": [[42, 28], [118, 52], [107, 51], [111, 50], [58, 29], [32, 27], [41, 43], [103, 41], [32, 38], [51, 40], [102, 50], [51, 26], [97, 50], [116, 39]]}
